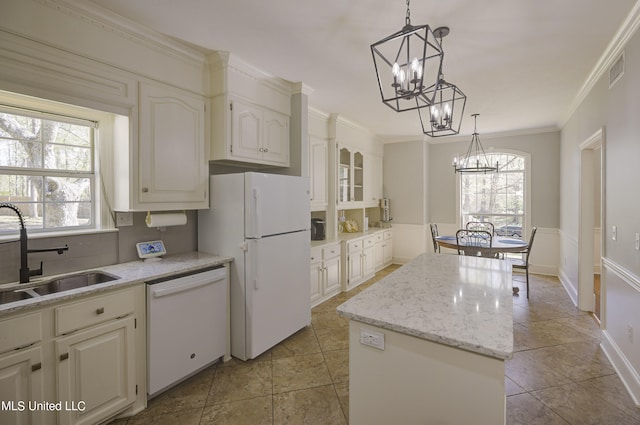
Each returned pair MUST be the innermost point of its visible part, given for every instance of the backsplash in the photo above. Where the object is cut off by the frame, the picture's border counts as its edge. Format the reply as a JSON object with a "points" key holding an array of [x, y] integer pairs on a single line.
{"points": [[97, 249]]}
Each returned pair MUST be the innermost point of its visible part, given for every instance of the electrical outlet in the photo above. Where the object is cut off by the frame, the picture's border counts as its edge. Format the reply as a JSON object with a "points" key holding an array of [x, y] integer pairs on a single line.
{"points": [[372, 338], [124, 219], [637, 241], [630, 332]]}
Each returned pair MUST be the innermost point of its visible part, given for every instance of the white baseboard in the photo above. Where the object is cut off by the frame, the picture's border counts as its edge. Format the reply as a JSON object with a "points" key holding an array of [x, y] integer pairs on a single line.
{"points": [[623, 368], [569, 287]]}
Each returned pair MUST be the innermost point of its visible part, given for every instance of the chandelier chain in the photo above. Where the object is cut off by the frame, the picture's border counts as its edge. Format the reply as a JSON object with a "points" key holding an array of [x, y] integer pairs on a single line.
{"points": [[407, 20]]}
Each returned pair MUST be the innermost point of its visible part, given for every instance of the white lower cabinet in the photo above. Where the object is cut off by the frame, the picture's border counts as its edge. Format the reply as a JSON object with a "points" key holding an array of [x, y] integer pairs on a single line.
{"points": [[366, 255], [85, 357], [95, 371], [21, 380], [325, 272]]}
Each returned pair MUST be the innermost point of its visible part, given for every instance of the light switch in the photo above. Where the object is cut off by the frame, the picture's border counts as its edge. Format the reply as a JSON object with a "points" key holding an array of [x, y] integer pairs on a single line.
{"points": [[637, 241], [614, 233]]}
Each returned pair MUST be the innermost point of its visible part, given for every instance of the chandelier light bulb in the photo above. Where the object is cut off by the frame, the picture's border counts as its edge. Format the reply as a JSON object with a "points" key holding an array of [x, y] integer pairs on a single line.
{"points": [[447, 112], [395, 70]]}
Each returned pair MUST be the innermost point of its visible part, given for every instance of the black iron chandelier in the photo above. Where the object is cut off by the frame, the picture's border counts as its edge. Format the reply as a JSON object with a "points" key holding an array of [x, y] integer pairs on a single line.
{"points": [[448, 102], [404, 61], [475, 160]]}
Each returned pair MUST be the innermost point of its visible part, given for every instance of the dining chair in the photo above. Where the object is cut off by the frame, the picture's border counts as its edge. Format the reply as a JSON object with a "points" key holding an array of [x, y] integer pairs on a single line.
{"points": [[523, 264], [481, 225], [471, 242], [434, 235]]}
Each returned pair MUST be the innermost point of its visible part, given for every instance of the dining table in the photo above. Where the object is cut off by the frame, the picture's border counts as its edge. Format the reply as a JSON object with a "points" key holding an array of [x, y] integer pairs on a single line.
{"points": [[498, 245]]}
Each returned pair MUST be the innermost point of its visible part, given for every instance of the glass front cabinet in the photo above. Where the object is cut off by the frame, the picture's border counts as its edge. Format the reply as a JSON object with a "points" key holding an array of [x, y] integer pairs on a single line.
{"points": [[350, 176]]}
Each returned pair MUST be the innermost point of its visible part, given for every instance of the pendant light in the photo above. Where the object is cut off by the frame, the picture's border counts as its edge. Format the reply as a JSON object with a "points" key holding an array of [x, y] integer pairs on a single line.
{"points": [[404, 62], [475, 160], [447, 107]]}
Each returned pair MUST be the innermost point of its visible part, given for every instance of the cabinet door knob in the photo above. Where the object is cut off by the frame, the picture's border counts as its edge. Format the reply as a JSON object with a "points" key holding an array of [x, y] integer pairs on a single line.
{"points": [[145, 189], [64, 356], [36, 366], [100, 310]]}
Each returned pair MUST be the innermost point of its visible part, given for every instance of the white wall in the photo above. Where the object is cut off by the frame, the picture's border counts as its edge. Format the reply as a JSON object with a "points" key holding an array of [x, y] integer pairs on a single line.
{"points": [[616, 110]]}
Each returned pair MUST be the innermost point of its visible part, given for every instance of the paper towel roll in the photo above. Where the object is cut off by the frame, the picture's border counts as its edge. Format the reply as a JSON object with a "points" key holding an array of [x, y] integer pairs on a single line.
{"points": [[163, 220]]}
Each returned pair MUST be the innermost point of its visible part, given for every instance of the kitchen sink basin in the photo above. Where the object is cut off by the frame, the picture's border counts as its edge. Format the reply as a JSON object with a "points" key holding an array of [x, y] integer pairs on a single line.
{"points": [[12, 296], [74, 281]]}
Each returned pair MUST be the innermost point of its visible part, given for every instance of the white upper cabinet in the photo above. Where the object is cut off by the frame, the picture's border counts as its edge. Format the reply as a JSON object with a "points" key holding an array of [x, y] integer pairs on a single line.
{"points": [[173, 166], [168, 167], [318, 162], [372, 180], [250, 114], [257, 135]]}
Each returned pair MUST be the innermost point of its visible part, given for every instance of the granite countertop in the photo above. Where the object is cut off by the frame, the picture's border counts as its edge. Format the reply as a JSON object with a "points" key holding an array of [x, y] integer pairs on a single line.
{"points": [[460, 301], [130, 273]]}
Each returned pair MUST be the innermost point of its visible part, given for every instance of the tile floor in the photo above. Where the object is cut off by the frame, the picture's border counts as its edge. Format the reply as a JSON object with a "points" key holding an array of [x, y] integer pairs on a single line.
{"points": [[558, 373]]}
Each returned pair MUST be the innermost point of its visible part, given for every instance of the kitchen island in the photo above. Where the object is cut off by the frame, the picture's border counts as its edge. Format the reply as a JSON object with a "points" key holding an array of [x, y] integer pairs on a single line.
{"points": [[428, 343]]}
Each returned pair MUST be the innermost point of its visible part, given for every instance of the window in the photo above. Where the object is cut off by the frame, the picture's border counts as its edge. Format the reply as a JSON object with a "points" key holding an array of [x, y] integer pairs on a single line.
{"points": [[498, 198], [47, 170]]}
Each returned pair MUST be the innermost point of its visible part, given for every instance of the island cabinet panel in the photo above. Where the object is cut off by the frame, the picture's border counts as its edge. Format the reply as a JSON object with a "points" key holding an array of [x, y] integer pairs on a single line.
{"points": [[416, 379]]}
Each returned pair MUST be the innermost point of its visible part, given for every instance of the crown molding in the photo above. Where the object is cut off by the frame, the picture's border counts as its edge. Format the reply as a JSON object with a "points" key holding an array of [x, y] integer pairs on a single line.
{"points": [[131, 31], [611, 53]]}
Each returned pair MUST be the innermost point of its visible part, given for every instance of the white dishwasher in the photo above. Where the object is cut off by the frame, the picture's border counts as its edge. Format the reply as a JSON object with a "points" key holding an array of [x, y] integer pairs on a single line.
{"points": [[186, 326]]}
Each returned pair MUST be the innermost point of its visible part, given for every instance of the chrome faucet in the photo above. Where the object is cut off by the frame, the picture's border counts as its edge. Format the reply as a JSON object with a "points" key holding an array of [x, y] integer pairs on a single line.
{"points": [[25, 273]]}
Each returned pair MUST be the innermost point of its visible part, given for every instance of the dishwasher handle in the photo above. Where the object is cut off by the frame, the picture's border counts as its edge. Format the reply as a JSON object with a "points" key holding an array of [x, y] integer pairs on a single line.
{"points": [[174, 287]]}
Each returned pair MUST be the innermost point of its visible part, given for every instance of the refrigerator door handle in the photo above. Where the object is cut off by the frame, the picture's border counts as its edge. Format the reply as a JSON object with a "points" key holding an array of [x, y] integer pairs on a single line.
{"points": [[256, 268], [256, 213]]}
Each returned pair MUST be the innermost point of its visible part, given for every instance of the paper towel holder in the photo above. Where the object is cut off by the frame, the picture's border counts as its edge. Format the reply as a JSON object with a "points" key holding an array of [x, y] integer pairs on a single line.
{"points": [[161, 221]]}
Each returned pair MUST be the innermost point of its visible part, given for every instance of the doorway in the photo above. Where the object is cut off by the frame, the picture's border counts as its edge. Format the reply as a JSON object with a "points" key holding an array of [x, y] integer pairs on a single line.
{"points": [[590, 222]]}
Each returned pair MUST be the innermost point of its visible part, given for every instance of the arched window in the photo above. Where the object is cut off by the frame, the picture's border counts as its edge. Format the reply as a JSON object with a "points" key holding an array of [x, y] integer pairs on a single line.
{"points": [[499, 198]]}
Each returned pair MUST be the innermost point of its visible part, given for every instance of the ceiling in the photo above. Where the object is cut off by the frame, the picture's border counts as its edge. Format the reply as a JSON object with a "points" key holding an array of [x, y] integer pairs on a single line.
{"points": [[521, 63]]}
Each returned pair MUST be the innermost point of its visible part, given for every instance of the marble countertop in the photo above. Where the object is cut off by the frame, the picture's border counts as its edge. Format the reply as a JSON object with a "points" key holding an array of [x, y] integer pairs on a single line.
{"points": [[460, 301], [130, 273]]}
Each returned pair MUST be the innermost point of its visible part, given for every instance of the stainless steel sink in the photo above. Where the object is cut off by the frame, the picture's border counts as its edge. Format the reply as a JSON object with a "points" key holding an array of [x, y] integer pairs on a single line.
{"points": [[74, 281], [53, 286], [13, 296]]}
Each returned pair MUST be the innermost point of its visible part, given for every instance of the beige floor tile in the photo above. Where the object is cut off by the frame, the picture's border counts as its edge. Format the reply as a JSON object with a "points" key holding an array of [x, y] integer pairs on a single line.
{"points": [[527, 336], [342, 390], [578, 406], [331, 339], [300, 372], [240, 382], [190, 394], [255, 411], [583, 323], [611, 389], [318, 405], [338, 364], [523, 409], [321, 319], [532, 373], [184, 417], [538, 311], [302, 342], [511, 388], [578, 361]]}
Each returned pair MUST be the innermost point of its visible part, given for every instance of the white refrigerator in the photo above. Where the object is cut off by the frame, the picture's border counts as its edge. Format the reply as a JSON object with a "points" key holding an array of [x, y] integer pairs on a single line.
{"points": [[262, 221]]}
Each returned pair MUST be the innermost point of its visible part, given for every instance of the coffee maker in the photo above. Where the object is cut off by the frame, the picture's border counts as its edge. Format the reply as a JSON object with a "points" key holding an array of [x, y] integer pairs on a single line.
{"points": [[317, 229]]}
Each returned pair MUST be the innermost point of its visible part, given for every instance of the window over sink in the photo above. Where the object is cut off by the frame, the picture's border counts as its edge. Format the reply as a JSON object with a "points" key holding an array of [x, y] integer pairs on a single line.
{"points": [[49, 159]]}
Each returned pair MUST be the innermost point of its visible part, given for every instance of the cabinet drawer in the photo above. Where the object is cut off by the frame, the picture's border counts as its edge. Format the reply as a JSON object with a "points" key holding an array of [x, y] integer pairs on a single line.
{"points": [[331, 251], [369, 241], [316, 253], [388, 234], [379, 236], [20, 332], [93, 311], [354, 246]]}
